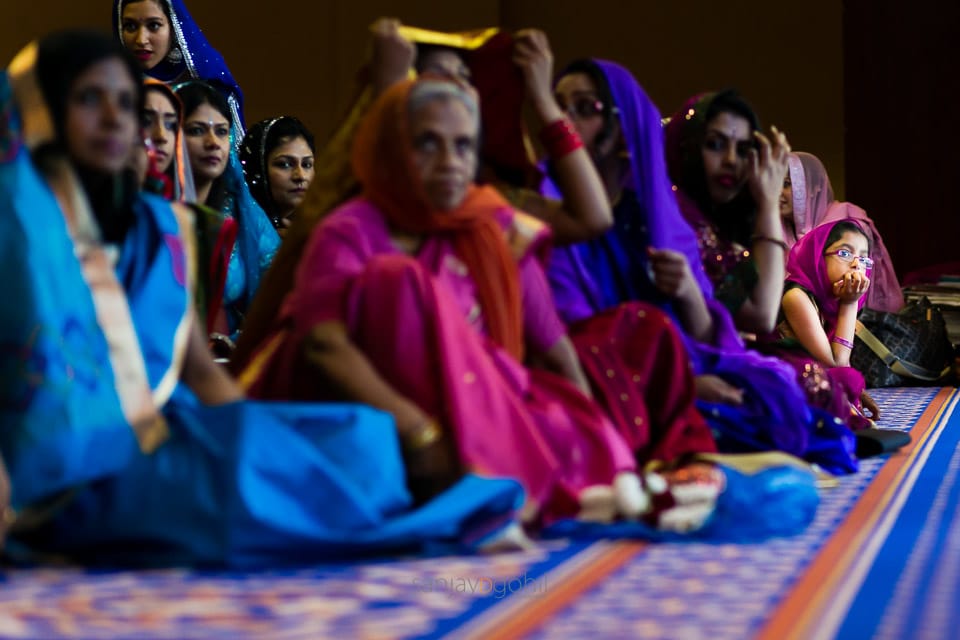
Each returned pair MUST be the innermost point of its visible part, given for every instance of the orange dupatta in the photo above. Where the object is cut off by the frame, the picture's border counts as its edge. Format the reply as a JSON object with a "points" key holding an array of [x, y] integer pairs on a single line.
{"points": [[382, 163]]}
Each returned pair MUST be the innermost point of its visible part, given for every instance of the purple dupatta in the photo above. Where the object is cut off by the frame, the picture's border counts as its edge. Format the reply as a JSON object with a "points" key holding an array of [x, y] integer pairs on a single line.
{"points": [[592, 276]]}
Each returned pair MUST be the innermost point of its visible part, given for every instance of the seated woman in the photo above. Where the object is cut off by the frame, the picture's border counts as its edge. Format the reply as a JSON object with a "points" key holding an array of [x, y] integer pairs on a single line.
{"points": [[424, 297], [807, 202], [219, 182], [170, 47], [333, 184], [111, 405], [172, 178], [162, 120], [828, 274], [807, 193], [729, 189], [752, 402], [277, 156], [885, 293], [508, 69]]}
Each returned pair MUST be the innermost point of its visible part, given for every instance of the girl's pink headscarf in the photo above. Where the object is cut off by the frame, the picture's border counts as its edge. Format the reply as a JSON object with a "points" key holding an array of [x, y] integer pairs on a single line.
{"points": [[884, 293], [812, 194], [807, 267]]}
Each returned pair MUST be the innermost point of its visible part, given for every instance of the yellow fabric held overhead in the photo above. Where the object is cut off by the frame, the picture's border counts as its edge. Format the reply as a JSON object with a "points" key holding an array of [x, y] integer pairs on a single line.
{"points": [[469, 40]]}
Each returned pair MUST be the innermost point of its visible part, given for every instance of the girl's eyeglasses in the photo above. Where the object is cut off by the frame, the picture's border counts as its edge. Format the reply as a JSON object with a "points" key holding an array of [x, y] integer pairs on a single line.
{"points": [[849, 256]]}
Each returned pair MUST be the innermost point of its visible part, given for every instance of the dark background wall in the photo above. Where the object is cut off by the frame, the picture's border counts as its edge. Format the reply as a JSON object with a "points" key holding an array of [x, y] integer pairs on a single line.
{"points": [[788, 60], [902, 100]]}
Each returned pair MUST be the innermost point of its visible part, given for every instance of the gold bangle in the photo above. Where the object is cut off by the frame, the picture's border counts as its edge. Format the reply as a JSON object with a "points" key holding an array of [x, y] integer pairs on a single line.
{"points": [[423, 436]]}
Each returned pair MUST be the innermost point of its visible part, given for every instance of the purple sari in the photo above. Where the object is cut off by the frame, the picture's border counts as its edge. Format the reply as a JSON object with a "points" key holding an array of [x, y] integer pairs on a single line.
{"points": [[591, 277]]}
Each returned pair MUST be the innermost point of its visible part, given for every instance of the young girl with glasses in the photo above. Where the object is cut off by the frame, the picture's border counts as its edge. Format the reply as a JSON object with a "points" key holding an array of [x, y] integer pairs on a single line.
{"points": [[828, 275]]}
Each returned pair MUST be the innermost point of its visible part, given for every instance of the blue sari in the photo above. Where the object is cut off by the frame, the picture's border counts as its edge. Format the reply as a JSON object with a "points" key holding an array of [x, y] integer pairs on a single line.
{"points": [[192, 57], [247, 484]]}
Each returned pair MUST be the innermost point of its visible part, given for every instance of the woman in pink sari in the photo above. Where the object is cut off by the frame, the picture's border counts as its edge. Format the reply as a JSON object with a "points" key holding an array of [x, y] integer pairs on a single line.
{"points": [[425, 296], [828, 276], [807, 201], [806, 194]]}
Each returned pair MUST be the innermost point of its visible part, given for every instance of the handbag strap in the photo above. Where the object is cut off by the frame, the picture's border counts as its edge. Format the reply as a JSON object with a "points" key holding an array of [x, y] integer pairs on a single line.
{"points": [[899, 366]]}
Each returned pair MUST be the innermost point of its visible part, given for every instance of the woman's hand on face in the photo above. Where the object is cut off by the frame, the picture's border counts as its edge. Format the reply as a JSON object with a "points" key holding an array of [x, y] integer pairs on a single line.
{"points": [[671, 274], [767, 169], [531, 52], [393, 55], [851, 287]]}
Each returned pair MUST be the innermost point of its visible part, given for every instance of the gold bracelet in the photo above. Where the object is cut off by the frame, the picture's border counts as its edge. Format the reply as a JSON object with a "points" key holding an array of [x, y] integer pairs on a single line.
{"points": [[423, 436]]}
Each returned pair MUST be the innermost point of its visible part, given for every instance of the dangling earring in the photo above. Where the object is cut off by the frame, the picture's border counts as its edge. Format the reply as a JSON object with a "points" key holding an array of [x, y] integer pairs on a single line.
{"points": [[175, 56]]}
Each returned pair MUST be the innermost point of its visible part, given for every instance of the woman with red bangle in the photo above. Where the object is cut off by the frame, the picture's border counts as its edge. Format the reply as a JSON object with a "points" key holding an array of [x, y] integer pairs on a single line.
{"points": [[426, 298], [752, 402]]}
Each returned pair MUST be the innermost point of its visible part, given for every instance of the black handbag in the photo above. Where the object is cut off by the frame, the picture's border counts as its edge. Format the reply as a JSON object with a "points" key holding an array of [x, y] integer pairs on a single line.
{"points": [[910, 347]]}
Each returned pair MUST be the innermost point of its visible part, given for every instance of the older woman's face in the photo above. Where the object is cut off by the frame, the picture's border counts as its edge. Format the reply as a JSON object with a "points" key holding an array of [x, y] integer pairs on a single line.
{"points": [[146, 32], [102, 122], [444, 155], [727, 144]]}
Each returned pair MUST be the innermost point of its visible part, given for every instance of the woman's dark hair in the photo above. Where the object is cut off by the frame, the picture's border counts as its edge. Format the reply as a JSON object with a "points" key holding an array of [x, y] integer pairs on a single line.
{"points": [[288, 128], [163, 4], [261, 139], [194, 94], [844, 226], [729, 101]]}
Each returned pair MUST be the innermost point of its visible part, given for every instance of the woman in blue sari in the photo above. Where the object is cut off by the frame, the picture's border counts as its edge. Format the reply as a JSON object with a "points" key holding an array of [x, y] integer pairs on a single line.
{"points": [[220, 185], [170, 47], [111, 408], [752, 402]]}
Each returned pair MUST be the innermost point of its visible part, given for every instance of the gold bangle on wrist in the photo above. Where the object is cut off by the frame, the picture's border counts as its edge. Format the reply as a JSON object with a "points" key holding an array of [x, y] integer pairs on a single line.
{"points": [[425, 434]]}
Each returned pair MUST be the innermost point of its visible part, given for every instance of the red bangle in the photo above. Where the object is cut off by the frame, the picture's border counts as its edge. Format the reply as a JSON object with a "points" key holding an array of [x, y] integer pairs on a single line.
{"points": [[560, 138]]}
